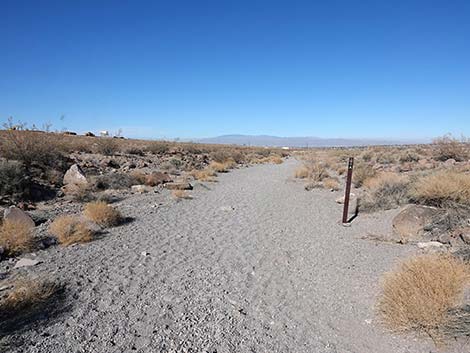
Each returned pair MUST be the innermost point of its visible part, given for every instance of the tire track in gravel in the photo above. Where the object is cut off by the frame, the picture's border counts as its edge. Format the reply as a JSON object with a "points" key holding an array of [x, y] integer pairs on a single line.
{"points": [[275, 274]]}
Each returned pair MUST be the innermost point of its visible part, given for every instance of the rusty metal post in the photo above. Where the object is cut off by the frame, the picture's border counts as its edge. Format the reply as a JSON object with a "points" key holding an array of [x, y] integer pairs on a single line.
{"points": [[348, 190]]}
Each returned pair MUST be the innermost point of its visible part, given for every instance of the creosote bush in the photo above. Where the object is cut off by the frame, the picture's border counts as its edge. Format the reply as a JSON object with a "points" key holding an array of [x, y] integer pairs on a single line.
{"points": [[70, 230], [447, 147], [361, 173], [420, 294], [385, 191], [102, 214], [16, 237], [107, 146], [12, 179]]}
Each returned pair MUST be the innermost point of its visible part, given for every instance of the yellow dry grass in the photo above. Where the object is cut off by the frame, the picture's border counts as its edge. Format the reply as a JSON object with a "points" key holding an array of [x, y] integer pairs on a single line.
{"points": [[218, 167], [301, 172], [383, 179], [24, 295], [70, 230], [16, 237], [275, 160], [418, 295], [331, 184], [180, 194], [204, 175], [102, 214], [442, 188]]}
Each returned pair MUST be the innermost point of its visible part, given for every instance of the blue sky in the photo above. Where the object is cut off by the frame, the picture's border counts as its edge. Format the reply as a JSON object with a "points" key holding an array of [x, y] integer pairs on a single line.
{"points": [[394, 69]]}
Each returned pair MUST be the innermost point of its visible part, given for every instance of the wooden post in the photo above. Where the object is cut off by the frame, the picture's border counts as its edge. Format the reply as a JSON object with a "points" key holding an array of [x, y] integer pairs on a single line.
{"points": [[348, 190]]}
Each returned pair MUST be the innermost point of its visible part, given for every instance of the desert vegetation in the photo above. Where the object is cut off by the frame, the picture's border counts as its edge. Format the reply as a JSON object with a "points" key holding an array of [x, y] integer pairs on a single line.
{"points": [[424, 294], [70, 230]]}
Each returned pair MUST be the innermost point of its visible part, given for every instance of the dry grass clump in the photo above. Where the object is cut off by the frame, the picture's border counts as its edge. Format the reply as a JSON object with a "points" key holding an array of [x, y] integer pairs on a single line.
{"points": [[26, 300], [331, 184], [219, 167], [16, 237], [70, 230], [420, 294], [180, 194], [301, 172], [385, 191], [448, 147], [275, 159], [102, 214], [443, 188], [204, 175], [107, 146]]}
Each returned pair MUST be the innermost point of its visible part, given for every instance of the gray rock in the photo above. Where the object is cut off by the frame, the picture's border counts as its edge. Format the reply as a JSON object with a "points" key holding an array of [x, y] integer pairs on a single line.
{"points": [[431, 246], [14, 214], [411, 222], [26, 263], [141, 189], [227, 208], [75, 176]]}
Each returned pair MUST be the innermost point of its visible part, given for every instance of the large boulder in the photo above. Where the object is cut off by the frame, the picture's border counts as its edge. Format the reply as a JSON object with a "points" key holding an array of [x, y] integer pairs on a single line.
{"points": [[75, 176], [410, 223], [15, 215]]}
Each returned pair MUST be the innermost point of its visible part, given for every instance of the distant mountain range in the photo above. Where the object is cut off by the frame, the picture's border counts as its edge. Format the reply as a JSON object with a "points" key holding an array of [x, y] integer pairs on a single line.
{"points": [[276, 141]]}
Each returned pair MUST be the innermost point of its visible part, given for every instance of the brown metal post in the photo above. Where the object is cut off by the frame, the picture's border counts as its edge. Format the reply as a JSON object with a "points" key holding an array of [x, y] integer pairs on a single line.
{"points": [[348, 189]]}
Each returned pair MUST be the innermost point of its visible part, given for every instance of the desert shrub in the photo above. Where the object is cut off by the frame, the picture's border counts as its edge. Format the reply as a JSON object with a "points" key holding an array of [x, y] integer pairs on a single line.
{"points": [[138, 177], [443, 188], [16, 237], [385, 158], [115, 181], [361, 173], [24, 298], [12, 179], [135, 151], [70, 230], [32, 149], [176, 163], [366, 156], [238, 157], [158, 147], [385, 191], [331, 184], [408, 156], [180, 194], [316, 171], [102, 214], [447, 147], [220, 156], [421, 292], [107, 146]]}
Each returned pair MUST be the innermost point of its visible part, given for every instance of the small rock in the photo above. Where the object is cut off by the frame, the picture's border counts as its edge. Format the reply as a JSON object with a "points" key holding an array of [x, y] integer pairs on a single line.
{"points": [[450, 162], [227, 208], [340, 200], [26, 263], [145, 253], [141, 189], [431, 246], [75, 175], [14, 214]]}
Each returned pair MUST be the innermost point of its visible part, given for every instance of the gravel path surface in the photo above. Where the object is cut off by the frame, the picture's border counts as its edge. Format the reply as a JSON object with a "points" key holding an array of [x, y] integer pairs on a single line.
{"points": [[253, 263]]}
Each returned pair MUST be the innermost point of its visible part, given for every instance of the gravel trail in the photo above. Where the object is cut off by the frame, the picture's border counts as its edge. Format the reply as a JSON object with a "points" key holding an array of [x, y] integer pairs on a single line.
{"points": [[253, 263]]}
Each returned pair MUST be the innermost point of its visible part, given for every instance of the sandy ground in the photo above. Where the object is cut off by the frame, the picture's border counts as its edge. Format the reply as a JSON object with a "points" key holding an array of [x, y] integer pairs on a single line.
{"points": [[253, 263]]}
